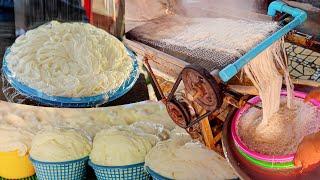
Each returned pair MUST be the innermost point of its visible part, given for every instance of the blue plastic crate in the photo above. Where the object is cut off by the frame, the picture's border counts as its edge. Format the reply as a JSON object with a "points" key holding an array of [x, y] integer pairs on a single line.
{"points": [[156, 176], [71, 170], [59, 101], [129, 172]]}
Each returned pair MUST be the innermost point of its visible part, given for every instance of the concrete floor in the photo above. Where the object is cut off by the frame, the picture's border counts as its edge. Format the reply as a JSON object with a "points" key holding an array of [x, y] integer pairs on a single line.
{"points": [[303, 63]]}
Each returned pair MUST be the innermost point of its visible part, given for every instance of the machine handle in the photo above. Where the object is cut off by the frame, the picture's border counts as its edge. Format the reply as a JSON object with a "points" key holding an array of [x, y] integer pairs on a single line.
{"points": [[299, 17]]}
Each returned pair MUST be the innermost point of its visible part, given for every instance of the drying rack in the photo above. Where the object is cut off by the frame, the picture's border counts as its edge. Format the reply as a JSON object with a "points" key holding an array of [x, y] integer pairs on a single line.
{"points": [[205, 91], [171, 66], [299, 16]]}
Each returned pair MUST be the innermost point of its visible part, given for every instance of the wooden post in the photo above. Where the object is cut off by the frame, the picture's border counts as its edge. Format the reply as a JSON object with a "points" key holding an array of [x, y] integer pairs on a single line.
{"points": [[205, 128]]}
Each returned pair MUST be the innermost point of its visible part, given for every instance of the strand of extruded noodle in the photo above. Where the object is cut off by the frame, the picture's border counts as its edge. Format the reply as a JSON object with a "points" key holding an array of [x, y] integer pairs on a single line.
{"points": [[287, 78], [282, 60], [263, 73], [265, 77]]}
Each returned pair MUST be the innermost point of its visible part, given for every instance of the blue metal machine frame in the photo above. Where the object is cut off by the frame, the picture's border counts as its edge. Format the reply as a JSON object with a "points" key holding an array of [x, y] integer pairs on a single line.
{"points": [[299, 16]]}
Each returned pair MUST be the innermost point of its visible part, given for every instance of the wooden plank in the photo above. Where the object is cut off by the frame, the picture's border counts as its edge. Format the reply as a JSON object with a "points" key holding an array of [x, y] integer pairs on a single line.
{"points": [[159, 61], [306, 82], [244, 89], [205, 127], [207, 133], [217, 137]]}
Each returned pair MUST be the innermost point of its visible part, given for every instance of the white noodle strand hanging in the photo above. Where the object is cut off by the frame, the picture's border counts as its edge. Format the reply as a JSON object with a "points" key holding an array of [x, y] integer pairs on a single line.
{"points": [[265, 76]]}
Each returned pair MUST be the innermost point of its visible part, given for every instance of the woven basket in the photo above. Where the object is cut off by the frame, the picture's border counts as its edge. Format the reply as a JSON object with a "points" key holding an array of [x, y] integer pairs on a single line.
{"points": [[71, 170], [129, 172], [156, 176]]}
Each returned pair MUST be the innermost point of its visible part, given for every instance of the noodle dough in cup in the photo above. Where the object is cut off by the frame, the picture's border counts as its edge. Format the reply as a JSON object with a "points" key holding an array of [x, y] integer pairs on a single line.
{"points": [[119, 153], [14, 152], [60, 153]]}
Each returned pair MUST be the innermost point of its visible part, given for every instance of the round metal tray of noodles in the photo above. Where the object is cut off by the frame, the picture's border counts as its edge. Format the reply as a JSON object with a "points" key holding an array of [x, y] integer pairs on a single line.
{"points": [[70, 65], [70, 101]]}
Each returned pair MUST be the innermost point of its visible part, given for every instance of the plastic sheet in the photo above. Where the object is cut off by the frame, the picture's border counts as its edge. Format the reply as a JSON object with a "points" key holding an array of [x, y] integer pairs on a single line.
{"points": [[69, 150], [31, 13], [22, 91], [174, 159], [148, 127], [60, 127], [34, 119], [125, 146]]}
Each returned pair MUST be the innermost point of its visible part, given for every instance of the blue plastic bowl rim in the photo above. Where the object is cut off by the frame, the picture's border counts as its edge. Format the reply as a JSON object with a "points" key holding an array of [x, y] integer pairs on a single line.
{"points": [[112, 95], [59, 163], [156, 175], [96, 166]]}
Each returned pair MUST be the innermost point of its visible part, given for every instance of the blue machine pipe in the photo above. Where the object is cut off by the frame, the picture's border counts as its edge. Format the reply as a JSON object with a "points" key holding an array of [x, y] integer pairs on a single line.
{"points": [[277, 6]]}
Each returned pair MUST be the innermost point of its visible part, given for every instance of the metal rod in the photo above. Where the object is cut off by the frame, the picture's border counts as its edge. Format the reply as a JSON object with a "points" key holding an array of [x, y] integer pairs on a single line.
{"points": [[145, 60], [199, 119], [174, 88]]}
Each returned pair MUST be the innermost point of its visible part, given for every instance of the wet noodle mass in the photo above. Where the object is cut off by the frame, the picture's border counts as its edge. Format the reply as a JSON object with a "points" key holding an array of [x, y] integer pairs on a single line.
{"points": [[284, 129], [283, 122]]}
